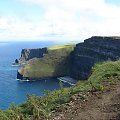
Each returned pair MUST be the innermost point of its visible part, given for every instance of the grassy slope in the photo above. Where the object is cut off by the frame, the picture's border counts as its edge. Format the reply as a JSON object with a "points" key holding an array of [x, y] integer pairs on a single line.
{"points": [[55, 63], [102, 75]]}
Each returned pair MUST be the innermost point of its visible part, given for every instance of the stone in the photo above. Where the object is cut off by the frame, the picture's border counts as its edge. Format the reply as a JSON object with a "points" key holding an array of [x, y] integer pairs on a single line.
{"points": [[16, 61]]}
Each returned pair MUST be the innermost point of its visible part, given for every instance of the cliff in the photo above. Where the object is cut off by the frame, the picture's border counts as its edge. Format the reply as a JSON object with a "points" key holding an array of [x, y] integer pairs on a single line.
{"points": [[91, 51], [63, 60], [56, 62], [27, 54]]}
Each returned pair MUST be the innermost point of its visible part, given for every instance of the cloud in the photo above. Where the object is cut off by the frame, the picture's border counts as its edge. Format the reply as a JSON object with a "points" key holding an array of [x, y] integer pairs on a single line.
{"points": [[64, 19]]}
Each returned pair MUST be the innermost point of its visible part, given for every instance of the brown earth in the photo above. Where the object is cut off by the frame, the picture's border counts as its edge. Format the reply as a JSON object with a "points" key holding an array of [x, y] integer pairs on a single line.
{"points": [[101, 105]]}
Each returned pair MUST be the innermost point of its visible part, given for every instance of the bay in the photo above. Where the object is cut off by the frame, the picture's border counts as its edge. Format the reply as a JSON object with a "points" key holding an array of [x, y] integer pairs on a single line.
{"points": [[11, 90]]}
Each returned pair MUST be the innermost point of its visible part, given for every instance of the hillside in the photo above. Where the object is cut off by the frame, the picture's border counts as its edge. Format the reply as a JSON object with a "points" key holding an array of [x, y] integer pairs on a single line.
{"points": [[99, 105], [99, 96], [95, 98], [56, 62]]}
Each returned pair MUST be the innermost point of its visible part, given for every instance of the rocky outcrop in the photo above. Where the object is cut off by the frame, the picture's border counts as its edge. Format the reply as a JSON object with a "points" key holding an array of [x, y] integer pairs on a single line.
{"points": [[16, 61], [91, 51], [28, 54], [19, 76]]}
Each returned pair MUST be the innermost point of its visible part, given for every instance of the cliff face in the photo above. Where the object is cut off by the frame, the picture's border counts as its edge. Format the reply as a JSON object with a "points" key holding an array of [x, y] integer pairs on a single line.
{"points": [[55, 63], [28, 54], [58, 60], [93, 50]]}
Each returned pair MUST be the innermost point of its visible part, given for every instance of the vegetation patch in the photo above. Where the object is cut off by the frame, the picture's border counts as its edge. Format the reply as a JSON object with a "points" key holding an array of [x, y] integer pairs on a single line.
{"points": [[104, 73]]}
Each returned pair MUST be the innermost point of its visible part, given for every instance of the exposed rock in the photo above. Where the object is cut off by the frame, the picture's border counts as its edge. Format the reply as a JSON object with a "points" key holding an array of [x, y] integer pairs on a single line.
{"points": [[19, 76], [28, 54], [93, 50], [16, 61]]}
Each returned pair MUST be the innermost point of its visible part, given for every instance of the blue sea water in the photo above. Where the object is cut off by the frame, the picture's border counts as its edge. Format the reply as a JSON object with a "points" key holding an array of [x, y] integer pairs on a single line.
{"points": [[11, 90]]}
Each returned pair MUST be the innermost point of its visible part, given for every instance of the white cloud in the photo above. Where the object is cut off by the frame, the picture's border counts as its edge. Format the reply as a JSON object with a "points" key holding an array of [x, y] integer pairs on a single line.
{"points": [[65, 19]]}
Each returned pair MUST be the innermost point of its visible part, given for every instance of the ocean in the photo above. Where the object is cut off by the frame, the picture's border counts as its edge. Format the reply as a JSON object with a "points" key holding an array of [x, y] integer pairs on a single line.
{"points": [[12, 90]]}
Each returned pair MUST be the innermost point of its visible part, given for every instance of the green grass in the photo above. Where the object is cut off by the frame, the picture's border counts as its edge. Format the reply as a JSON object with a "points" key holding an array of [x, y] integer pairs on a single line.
{"points": [[55, 63], [105, 73], [116, 37], [61, 46]]}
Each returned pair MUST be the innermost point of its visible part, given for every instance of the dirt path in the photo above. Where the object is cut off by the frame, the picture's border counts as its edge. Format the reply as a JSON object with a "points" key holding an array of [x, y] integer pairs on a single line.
{"points": [[96, 106], [103, 106]]}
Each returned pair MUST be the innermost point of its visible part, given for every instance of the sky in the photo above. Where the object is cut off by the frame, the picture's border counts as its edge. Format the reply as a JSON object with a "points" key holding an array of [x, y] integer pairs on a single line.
{"points": [[61, 20]]}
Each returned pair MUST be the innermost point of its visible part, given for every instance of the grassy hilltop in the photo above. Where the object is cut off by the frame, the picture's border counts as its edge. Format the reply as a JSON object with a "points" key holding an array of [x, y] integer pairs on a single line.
{"points": [[55, 63]]}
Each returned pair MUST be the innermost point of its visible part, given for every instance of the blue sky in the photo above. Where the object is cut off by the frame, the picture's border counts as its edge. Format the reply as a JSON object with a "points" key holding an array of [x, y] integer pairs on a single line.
{"points": [[21, 10], [115, 2], [58, 19]]}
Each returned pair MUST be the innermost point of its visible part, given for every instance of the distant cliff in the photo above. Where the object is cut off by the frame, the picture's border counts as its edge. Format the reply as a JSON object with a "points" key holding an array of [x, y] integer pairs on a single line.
{"points": [[91, 51], [56, 62], [28, 54]]}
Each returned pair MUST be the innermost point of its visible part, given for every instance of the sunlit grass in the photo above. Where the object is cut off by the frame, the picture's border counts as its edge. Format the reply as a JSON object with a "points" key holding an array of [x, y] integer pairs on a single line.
{"points": [[61, 46]]}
